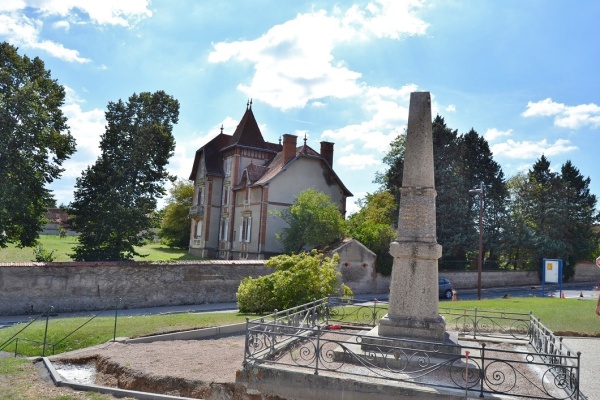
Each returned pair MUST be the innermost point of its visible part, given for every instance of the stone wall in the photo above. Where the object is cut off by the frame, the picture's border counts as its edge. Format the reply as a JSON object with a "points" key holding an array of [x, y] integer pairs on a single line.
{"points": [[587, 272], [75, 286]]}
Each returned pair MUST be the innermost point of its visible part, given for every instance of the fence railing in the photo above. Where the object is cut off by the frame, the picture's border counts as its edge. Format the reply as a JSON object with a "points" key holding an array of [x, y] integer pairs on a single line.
{"points": [[44, 343], [480, 323], [324, 337]]}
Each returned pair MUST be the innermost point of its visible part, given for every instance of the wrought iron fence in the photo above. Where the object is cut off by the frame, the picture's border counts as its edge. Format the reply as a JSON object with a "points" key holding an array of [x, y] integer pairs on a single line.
{"points": [[480, 323], [323, 337]]}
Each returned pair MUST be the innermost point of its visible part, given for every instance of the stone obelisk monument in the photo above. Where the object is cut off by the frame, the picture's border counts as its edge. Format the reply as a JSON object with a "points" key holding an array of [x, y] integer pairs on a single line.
{"points": [[413, 305]]}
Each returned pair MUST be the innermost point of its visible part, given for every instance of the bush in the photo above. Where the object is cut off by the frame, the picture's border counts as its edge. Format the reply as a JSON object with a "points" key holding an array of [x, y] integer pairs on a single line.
{"points": [[298, 279], [43, 255]]}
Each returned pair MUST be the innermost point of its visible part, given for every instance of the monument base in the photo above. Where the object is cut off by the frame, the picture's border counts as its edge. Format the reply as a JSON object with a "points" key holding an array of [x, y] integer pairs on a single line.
{"points": [[446, 347], [431, 329]]}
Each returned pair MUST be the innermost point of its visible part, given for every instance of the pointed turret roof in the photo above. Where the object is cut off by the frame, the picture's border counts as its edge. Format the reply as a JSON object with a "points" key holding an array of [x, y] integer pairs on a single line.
{"points": [[247, 132]]}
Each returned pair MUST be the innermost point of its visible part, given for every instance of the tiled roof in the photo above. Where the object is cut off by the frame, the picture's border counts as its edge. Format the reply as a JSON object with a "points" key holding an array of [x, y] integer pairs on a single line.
{"points": [[211, 155], [247, 132], [276, 166]]}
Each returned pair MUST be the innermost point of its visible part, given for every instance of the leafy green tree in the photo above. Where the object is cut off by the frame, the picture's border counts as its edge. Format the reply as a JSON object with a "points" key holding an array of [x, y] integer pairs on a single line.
{"points": [[175, 225], [298, 279], [554, 215], [460, 163], [478, 165], [454, 226], [372, 226], [519, 244], [580, 209], [34, 142], [115, 198], [391, 180], [313, 221]]}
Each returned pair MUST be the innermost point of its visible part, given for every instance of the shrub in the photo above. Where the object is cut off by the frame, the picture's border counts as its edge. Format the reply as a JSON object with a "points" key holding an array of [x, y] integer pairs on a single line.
{"points": [[298, 279], [43, 255]]}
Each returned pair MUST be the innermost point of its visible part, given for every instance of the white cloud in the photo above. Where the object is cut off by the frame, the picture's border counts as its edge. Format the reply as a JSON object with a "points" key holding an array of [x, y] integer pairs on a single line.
{"points": [[62, 25], [526, 149], [492, 134], [105, 12], [21, 22], [389, 114], [294, 63], [451, 108], [571, 117], [86, 127], [358, 161]]}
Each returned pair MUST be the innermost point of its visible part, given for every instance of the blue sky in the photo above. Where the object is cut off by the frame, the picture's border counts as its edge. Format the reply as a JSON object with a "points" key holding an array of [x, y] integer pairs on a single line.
{"points": [[522, 73]]}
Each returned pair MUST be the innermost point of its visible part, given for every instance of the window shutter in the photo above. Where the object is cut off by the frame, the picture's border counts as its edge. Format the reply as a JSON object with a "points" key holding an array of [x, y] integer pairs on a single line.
{"points": [[248, 229]]}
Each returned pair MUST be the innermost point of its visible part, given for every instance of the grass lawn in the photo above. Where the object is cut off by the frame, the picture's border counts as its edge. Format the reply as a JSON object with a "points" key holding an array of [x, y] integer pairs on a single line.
{"points": [[62, 247], [101, 330], [565, 317]]}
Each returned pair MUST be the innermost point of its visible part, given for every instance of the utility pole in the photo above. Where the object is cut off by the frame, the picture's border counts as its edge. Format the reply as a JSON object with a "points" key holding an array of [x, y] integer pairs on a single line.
{"points": [[479, 191]]}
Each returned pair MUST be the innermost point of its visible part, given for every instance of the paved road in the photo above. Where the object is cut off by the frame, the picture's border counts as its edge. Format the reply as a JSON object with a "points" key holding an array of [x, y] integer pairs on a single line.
{"points": [[570, 290]]}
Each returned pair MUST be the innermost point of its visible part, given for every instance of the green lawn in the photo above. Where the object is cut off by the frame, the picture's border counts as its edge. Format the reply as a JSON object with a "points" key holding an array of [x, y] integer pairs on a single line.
{"points": [[565, 317], [83, 332], [62, 247]]}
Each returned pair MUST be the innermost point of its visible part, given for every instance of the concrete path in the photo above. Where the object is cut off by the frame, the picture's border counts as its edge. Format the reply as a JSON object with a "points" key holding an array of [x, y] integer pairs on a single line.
{"points": [[590, 367]]}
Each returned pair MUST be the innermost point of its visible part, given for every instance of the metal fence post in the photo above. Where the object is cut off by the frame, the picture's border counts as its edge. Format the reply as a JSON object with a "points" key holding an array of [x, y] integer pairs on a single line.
{"points": [[317, 350], [46, 330], [482, 369], [116, 312], [246, 343], [475, 323]]}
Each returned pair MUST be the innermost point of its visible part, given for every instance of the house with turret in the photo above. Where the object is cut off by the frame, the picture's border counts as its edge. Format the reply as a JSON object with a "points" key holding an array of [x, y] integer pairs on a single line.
{"points": [[241, 179]]}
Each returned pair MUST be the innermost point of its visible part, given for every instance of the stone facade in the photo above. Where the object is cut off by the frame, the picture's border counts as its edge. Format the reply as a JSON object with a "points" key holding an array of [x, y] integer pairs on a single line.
{"points": [[357, 266], [241, 181]]}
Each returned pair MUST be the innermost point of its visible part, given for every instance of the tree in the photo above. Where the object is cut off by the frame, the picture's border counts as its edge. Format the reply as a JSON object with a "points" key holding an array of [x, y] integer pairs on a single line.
{"points": [[298, 279], [478, 165], [115, 198], [372, 226], [175, 226], [313, 221], [391, 180], [553, 215], [34, 142], [461, 163], [580, 207]]}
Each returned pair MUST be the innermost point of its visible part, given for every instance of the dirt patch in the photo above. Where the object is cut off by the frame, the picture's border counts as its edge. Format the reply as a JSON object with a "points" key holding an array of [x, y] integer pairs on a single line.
{"points": [[204, 369]]}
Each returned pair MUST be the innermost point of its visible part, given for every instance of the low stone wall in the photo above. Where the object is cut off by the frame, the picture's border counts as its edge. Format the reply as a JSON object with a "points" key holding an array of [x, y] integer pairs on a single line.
{"points": [[76, 286], [587, 272]]}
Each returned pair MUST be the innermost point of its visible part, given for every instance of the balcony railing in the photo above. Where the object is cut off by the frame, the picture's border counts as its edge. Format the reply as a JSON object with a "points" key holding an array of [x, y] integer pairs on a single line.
{"points": [[196, 211]]}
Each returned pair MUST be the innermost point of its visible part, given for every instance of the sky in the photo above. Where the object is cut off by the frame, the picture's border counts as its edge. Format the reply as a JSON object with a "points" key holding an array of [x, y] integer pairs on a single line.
{"points": [[524, 74]]}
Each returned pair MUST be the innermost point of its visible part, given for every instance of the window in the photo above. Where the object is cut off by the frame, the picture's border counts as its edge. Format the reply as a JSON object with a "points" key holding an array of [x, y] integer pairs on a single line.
{"points": [[199, 195], [226, 193], [245, 229], [224, 229], [199, 229], [227, 166]]}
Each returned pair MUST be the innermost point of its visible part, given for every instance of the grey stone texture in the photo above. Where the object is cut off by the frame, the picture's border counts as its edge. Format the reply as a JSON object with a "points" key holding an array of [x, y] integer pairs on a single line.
{"points": [[33, 287], [413, 310]]}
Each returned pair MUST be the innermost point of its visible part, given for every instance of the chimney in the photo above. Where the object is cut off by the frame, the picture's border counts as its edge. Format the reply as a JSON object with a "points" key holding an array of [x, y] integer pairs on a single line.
{"points": [[327, 152], [289, 147]]}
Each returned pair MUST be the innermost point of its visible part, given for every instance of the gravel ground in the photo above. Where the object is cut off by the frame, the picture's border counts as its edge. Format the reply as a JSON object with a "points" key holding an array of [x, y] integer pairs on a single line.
{"points": [[590, 366], [209, 360]]}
